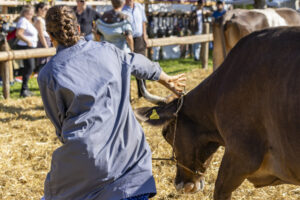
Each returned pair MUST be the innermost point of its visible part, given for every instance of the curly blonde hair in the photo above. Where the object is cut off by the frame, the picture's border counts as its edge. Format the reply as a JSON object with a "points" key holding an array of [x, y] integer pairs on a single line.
{"points": [[62, 25]]}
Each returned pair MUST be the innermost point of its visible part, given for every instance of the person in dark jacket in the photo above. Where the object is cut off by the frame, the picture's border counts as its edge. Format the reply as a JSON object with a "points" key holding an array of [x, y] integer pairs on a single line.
{"points": [[85, 17]]}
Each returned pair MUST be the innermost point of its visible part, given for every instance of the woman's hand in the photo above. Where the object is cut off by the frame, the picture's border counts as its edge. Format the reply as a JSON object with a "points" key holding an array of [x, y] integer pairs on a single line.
{"points": [[29, 43], [174, 83], [20, 36]]}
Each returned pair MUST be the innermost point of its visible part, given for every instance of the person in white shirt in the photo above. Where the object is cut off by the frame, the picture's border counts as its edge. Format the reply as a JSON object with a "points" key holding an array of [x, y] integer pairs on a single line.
{"points": [[28, 39]]}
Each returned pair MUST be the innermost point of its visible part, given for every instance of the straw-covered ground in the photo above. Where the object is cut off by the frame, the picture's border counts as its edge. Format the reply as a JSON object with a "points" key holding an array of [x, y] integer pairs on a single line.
{"points": [[27, 140]]}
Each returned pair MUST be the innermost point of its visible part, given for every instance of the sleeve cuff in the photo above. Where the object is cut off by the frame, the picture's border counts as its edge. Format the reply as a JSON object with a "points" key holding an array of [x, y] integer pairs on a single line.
{"points": [[158, 72]]}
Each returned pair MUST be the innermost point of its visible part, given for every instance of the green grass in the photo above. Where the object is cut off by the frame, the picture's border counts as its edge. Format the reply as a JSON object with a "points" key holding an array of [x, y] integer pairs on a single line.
{"points": [[181, 65], [171, 67], [248, 7], [16, 87]]}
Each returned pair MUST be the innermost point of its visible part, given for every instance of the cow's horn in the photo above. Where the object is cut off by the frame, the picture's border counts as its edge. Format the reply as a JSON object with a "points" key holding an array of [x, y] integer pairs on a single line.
{"points": [[150, 97]]}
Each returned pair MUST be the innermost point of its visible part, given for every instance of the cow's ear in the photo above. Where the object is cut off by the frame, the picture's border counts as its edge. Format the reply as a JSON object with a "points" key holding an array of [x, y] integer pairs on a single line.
{"points": [[157, 115]]}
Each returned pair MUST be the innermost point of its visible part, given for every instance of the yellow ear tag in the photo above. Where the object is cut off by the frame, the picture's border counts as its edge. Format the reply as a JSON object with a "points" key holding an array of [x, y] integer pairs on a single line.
{"points": [[154, 115]]}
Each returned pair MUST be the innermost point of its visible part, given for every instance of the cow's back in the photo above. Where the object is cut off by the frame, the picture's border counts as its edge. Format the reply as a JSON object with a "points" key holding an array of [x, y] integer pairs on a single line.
{"points": [[238, 23], [291, 17], [259, 94]]}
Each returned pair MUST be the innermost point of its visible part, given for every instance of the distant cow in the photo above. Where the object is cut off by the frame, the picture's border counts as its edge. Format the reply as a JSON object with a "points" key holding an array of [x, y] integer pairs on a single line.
{"points": [[238, 23], [251, 106]]}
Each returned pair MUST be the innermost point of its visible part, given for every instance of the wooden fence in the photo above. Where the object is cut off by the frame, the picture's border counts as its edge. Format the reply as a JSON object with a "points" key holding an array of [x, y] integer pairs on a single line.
{"points": [[7, 55], [70, 3], [102, 2]]}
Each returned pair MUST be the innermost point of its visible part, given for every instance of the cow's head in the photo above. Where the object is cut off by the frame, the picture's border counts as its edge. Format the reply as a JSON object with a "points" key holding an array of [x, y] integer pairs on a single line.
{"points": [[191, 142]]}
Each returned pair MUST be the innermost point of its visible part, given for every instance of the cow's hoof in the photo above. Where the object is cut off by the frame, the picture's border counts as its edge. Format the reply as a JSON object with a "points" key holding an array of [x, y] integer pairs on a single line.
{"points": [[179, 186], [188, 187], [194, 187]]}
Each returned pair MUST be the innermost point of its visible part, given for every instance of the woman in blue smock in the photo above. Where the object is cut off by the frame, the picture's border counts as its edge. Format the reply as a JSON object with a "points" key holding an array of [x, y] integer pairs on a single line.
{"points": [[114, 27], [85, 90]]}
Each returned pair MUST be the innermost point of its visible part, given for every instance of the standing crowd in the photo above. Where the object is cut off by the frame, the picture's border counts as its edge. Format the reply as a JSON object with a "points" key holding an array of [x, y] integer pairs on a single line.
{"points": [[124, 26]]}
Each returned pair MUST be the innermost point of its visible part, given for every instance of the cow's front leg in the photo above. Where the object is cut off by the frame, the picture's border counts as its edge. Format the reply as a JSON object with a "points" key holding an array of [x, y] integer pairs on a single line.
{"points": [[231, 174]]}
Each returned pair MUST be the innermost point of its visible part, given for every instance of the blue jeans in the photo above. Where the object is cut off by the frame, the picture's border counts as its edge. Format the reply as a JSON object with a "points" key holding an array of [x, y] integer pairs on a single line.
{"points": [[196, 51], [155, 55]]}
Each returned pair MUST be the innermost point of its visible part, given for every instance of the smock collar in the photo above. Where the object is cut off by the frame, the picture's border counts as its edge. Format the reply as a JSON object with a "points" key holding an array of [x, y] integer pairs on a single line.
{"points": [[62, 47]]}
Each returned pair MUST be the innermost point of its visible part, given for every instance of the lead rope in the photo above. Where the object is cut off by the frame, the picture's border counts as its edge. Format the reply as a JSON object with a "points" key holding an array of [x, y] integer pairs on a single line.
{"points": [[179, 106], [173, 158], [196, 172]]}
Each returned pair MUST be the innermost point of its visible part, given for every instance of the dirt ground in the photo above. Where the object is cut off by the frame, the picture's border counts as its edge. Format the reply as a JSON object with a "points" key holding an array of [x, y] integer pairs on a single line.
{"points": [[27, 141]]}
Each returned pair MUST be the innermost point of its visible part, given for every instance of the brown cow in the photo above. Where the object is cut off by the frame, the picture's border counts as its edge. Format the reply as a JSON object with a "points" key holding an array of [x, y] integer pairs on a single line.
{"points": [[251, 106], [236, 24]]}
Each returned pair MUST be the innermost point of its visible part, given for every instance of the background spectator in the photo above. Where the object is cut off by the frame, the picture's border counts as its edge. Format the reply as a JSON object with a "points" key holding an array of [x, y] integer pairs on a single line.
{"points": [[114, 27], [85, 17], [220, 10], [196, 27], [28, 39], [138, 20], [44, 39]]}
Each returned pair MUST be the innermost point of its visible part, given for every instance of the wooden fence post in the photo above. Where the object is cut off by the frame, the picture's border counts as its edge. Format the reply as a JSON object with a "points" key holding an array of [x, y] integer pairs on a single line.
{"points": [[205, 48], [5, 72]]}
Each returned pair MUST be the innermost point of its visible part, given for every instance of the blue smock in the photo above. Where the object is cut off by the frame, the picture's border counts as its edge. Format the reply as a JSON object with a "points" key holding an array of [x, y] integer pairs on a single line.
{"points": [[104, 156], [137, 18]]}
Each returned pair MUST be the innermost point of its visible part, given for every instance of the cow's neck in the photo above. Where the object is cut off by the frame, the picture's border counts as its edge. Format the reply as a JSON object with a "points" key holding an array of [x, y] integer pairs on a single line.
{"points": [[199, 106]]}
